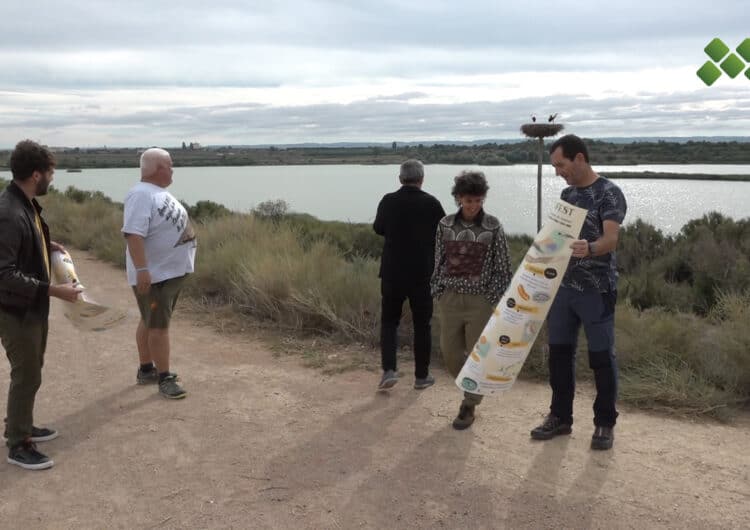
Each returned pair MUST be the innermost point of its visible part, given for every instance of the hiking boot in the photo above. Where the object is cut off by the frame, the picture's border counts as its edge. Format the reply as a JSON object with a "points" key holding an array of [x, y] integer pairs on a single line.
{"points": [[465, 417], [603, 438], [150, 377], [551, 427], [39, 434], [26, 456], [420, 383], [390, 378], [170, 389]]}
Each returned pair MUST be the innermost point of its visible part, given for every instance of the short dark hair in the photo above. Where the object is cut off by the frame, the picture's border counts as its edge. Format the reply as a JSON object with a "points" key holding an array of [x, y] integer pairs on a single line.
{"points": [[571, 145], [27, 157], [470, 183], [412, 172]]}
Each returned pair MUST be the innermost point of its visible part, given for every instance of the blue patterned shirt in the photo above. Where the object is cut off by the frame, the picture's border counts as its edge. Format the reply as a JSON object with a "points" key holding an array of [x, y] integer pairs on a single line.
{"points": [[605, 202]]}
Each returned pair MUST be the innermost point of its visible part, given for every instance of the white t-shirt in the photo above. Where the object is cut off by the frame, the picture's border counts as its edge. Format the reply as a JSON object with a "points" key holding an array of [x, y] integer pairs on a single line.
{"points": [[154, 214]]}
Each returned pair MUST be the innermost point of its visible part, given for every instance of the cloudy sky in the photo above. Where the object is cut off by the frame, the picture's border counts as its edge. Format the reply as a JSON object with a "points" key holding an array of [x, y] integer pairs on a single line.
{"points": [[97, 72]]}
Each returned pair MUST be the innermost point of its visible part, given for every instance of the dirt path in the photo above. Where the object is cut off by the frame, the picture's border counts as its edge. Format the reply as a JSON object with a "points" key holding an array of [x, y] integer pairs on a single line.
{"points": [[263, 442]]}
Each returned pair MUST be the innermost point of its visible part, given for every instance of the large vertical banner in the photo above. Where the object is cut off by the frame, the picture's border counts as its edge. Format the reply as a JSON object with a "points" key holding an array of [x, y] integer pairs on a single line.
{"points": [[499, 354]]}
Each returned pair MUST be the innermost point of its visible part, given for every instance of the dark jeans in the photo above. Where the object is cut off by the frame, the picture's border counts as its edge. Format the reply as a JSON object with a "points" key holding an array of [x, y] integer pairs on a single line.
{"points": [[596, 311], [420, 301], [24, 340]]}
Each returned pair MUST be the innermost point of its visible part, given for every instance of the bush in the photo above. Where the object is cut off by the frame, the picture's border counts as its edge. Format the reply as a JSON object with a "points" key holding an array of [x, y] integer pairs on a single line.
{"points": [[274, 210], [206, 210], [304, 275]]}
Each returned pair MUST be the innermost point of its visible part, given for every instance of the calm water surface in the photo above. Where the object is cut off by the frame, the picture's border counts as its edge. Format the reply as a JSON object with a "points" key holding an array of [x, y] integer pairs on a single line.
{"points": [[352, 192]]}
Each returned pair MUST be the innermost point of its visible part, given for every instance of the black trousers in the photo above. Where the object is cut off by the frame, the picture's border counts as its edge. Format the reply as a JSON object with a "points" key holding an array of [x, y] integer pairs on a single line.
{"points": [[393, 296]]}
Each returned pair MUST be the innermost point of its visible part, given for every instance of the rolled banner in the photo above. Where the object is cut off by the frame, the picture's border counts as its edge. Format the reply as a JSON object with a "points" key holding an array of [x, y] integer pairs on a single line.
{"points": [[85, 314], [505, 342], [63, 269]]}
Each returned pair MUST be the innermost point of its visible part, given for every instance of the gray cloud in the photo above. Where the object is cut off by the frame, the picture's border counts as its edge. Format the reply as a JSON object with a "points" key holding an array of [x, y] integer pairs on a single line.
{"points": [[379, 119], [64, 65]]}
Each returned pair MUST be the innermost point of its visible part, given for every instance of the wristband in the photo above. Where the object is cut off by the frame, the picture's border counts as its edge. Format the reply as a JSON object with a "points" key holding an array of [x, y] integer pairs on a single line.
{"points": [[142, 269], [591, 248]]}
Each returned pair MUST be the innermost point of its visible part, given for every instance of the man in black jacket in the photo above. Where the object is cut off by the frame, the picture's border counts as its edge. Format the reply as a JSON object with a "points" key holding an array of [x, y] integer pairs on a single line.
{"points": [[408, 219], [25, 289]]}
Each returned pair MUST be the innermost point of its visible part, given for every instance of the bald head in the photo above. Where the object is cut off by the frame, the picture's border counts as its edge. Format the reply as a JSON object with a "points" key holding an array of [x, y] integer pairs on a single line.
{"points": [[156, 167]]}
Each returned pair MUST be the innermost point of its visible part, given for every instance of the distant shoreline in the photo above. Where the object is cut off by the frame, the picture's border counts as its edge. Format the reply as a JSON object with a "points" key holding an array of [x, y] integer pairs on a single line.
{"points": [[490, 154], [650, 175], [676, 176]]}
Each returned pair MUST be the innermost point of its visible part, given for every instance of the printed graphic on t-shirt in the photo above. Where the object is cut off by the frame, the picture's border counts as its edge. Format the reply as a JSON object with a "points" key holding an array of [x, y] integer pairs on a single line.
{"points": [[604, 202], [171, 211], [187, 236]]}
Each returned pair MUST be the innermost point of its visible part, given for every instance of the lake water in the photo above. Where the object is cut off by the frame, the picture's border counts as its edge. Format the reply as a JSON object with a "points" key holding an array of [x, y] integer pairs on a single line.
{"points": [[352, 192]]}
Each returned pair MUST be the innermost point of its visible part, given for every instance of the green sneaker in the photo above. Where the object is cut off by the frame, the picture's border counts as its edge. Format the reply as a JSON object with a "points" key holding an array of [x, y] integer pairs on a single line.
{"points": [[170, 388], [151, 377]]}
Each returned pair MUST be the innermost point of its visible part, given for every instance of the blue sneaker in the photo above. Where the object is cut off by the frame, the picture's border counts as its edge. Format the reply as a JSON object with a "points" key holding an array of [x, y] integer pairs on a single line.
{"points": [[420, 383], [390, 378]]}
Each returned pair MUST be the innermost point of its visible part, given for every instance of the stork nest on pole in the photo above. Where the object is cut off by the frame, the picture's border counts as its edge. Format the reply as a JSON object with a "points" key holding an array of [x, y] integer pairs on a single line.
{"points": [[541, 130]]}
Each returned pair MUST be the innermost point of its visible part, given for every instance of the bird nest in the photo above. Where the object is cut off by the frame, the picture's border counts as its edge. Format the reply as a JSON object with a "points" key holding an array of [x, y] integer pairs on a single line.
{"points": [[541, 130]]}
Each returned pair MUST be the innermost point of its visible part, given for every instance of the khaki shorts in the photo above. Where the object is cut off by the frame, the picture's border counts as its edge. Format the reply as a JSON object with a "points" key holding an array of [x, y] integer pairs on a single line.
{"points": [[157, 305]]}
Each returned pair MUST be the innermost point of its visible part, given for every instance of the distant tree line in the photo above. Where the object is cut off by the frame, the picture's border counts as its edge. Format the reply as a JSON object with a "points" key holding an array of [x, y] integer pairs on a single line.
{"points": [[490, 154]]}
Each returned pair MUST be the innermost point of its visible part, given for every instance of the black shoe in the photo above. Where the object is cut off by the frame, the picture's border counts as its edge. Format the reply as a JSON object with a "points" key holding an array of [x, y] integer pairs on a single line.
{"points": [[40, 434], [603, 438], [26, 456], [465, 417], [551, 427]]}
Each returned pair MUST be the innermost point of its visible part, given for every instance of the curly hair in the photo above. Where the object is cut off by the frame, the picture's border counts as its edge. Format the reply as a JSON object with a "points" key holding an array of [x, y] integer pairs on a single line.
{"points": [[470, 183], [27, 157]]}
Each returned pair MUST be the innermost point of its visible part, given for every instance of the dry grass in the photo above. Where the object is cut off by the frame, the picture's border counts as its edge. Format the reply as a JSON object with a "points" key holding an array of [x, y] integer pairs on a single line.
{"points": [[312, 296]]}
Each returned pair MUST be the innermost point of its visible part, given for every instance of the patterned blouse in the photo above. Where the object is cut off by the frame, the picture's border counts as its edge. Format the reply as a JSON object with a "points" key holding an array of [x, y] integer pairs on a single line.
{"points": [[471, 257]]}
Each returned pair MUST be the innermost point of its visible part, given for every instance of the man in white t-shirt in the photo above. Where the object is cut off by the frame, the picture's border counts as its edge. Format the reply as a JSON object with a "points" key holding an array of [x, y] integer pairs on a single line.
{"points": [[160, 254]]}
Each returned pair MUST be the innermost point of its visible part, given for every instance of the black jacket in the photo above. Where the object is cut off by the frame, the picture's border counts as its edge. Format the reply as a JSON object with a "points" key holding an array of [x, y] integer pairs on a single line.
{"points": [[408, 219], [24, 280]]}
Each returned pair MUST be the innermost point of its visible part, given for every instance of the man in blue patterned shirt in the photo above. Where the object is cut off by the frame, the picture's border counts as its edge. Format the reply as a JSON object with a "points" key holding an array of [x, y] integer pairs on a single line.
{"points": [[587, 296]]}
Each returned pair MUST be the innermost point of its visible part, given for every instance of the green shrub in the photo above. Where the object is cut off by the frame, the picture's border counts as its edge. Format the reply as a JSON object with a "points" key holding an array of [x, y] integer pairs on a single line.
{"points": [[683, 339]]}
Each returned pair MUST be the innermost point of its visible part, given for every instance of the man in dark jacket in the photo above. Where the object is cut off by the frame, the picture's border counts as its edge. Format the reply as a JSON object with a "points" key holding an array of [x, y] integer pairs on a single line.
{"points": [[25, 289], [408, 219]]}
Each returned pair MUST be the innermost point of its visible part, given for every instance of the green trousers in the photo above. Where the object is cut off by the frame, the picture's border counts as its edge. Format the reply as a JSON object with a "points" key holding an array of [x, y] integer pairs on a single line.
{"points": [[462, 319], [24, 340]]}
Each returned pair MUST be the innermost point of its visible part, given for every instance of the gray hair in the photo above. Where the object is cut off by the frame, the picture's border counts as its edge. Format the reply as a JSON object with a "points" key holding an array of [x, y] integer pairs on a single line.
{"points": [[412, 172], [151, 159]]}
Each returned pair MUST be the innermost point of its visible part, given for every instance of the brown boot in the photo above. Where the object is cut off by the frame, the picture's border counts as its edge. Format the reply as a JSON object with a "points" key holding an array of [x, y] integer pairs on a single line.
{"points": [[465, 417]]}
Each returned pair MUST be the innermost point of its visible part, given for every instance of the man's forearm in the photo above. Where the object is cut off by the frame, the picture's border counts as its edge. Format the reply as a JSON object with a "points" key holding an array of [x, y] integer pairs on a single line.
{"points": [[137, 250]]}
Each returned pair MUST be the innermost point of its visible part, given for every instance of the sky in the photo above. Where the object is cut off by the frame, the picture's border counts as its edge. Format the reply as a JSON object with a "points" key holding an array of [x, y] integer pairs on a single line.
{"points": [[90, 73]]}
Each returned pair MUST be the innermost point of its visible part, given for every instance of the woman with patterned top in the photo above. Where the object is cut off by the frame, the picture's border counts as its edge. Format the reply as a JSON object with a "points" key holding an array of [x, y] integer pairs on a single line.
{"points": [[472, 271]]}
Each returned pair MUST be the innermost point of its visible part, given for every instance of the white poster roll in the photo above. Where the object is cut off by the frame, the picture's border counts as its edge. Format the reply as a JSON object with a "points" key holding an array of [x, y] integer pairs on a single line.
{"points": [[85, 314], [505, 342]]}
